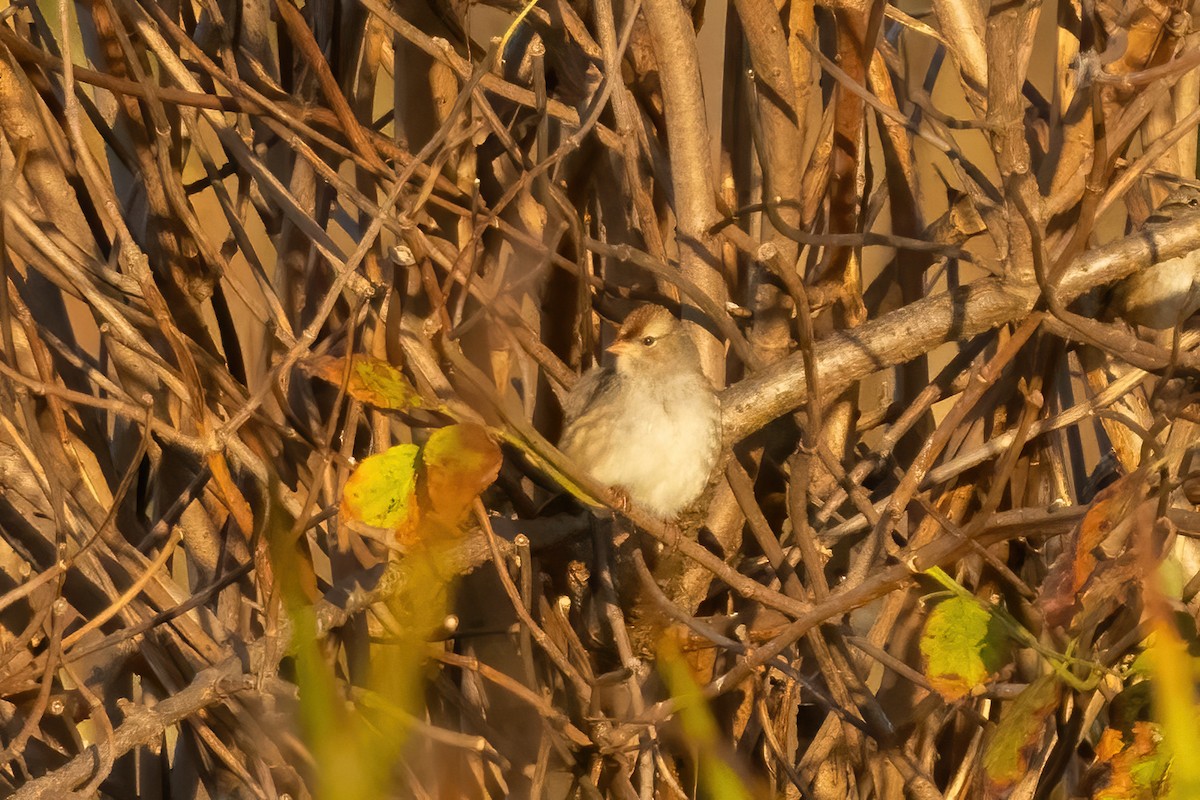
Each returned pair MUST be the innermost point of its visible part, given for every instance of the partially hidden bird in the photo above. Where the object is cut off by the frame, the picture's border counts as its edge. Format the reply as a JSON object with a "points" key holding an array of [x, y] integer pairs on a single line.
{"points": [[1164, 294], [650, 424]]}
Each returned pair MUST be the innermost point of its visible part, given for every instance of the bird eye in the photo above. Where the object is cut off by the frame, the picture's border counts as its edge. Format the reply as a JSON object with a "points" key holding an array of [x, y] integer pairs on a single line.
{"points": [[1193, 202], [647, 340]]}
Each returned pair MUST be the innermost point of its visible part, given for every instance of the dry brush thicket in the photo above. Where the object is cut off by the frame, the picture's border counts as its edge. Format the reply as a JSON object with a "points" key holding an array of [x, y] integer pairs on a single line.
{"points": [[891, 229]]}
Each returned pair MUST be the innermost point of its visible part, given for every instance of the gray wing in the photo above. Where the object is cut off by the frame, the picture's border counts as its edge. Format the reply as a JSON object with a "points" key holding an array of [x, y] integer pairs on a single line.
{"points": [[584, 412], [594, 383]]}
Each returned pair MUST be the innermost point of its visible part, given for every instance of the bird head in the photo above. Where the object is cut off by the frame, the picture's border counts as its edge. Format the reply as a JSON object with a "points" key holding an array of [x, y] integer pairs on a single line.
{"points": [[652, 340], [1181, 201]]}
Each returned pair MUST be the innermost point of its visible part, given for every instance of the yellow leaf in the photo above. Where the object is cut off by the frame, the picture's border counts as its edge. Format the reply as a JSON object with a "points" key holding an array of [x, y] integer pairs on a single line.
{"points": [[381, 492], [372, 381]]}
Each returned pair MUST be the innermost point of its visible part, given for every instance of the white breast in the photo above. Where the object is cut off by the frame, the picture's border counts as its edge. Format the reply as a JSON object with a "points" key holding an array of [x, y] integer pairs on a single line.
{"points": [[663, 454], [1163, 295]]}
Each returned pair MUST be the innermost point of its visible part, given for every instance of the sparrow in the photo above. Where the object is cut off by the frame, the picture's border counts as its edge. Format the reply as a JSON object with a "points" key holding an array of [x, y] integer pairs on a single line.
{"points": [[1164, 294], [650, 424]]}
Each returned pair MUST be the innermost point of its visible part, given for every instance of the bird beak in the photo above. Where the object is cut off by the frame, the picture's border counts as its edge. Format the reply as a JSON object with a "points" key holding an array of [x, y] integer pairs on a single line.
{"points": [[619, 346]]}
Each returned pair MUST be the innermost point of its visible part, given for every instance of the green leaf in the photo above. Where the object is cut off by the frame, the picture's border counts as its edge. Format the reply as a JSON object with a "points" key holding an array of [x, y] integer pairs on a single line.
{"points": [[382, 490], [963, 644], [1020, 735]]}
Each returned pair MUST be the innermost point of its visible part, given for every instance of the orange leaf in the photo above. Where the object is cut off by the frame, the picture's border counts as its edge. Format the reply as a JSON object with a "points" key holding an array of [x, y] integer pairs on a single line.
{"points": [[460, 462], [1136, 763], [1081, 562]]}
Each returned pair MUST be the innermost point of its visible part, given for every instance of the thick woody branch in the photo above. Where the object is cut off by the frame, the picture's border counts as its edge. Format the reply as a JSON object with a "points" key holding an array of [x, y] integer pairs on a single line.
{"points": [[849, 356], [674, 43]]}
